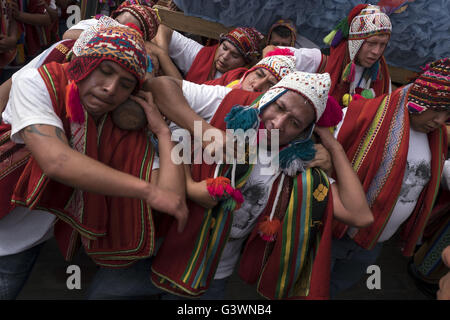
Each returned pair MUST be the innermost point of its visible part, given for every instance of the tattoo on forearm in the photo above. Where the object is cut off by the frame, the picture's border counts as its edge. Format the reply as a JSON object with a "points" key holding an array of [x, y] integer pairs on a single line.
{"points": [[34, 129], [60, 135]]}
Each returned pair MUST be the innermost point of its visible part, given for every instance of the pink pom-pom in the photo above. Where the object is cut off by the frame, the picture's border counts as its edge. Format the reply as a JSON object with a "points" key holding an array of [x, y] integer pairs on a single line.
{"points": [[219, 191], [332, 114], [280, 52], [237, 196], [229, 189]]}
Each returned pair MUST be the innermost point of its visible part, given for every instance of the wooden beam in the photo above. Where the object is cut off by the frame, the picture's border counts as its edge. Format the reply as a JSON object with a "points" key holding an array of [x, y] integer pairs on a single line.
{"points": [[400, 75], [178, 21]]}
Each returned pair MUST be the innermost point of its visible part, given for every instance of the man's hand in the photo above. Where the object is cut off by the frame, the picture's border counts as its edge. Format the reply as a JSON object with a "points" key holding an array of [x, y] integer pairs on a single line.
{"points": [[7, 43], [198, 192], [155, 120], [444, 284], [327, 138], [171, 203], [322, 159]]}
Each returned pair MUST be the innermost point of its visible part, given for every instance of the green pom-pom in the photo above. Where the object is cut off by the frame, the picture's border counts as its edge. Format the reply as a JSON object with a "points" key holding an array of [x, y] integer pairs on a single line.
{"points": [[368, 94]]}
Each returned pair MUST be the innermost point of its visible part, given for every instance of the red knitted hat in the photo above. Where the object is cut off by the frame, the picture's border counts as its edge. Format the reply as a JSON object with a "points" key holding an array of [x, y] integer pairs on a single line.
{"points": [[122, 45], [246, 40], [147, 17]]}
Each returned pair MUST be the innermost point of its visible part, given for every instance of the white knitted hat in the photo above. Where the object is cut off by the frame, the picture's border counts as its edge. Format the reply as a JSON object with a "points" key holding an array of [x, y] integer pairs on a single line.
{"points": [[312, 86]]}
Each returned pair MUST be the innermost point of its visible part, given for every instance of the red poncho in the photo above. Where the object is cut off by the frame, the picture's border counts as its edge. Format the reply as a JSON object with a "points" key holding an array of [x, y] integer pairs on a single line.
{"points": [[115, 231], [379, 158]]}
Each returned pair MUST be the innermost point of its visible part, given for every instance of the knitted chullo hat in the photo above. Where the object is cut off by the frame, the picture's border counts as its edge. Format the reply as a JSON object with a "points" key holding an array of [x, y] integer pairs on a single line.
{"points": [[147, 17], [311, 86], [432, 88], [369, 22], [279, 65], [287, 24], [122, 45], [246, 40], [363, 21]]}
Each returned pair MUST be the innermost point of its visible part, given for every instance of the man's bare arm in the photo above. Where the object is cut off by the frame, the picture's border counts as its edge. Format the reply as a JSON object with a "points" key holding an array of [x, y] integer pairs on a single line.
{"points": [[72, 34], [49, 146], [349, 199], [5, 88], [168, 95]]}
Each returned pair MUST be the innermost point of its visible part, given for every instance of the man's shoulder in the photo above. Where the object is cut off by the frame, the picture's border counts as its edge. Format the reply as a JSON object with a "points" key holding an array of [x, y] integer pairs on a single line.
{"points": [[30, 77]]}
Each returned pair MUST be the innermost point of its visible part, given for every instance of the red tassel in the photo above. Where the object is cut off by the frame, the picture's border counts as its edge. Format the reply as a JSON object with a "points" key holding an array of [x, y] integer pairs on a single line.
{"points": [[74, 109], [269, 228]]}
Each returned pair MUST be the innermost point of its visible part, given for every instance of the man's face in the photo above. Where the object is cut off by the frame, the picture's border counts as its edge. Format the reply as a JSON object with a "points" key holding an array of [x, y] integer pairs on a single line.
{"points": [[291, 114], [429, 120], [228, 57], [371, 50], [277, 40], [126, 17], [106, 87], [259, 80]]}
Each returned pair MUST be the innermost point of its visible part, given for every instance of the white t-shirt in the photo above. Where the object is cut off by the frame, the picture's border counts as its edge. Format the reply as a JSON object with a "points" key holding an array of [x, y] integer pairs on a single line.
{"points": [[183, 50], [84, 24], [306, 59], [256, 195], [417, 175]]}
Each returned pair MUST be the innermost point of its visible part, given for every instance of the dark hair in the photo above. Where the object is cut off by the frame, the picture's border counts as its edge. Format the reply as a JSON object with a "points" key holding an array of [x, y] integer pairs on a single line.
{"points": [[282, 31]]}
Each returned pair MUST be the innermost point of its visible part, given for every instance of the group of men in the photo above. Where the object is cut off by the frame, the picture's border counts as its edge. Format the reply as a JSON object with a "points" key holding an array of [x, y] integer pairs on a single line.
{"points": [[354, 161]]}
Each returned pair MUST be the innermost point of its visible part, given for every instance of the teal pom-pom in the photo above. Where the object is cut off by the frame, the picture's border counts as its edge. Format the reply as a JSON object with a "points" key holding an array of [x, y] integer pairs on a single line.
{"points": [[301, 150], [241, 117]]}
